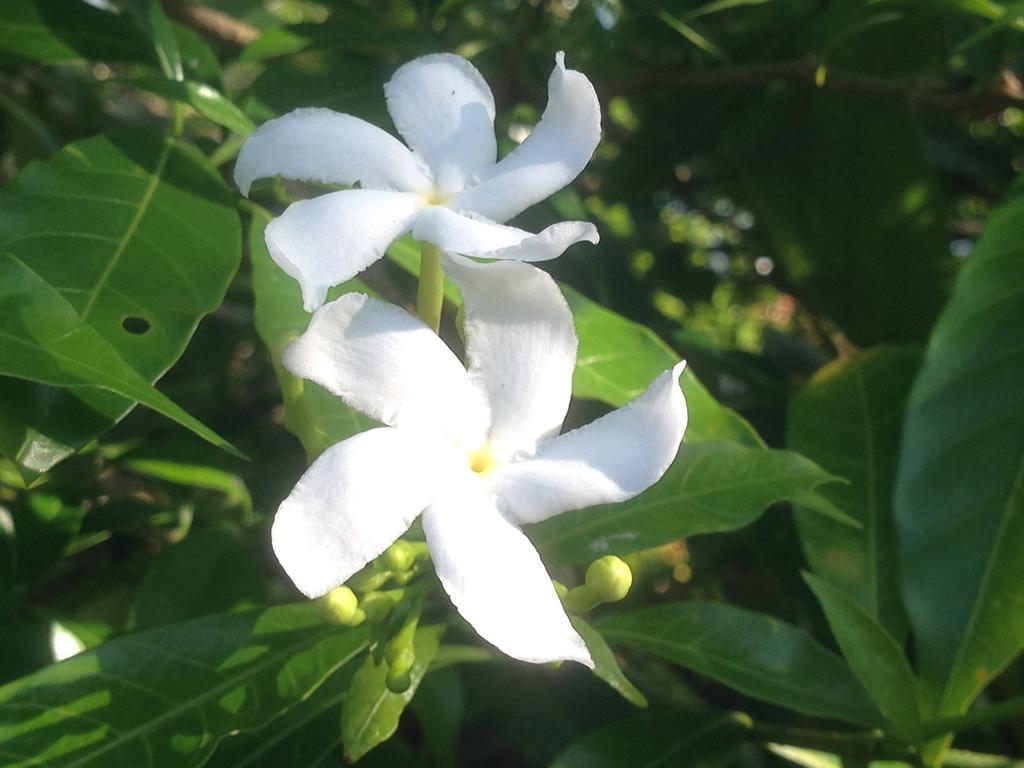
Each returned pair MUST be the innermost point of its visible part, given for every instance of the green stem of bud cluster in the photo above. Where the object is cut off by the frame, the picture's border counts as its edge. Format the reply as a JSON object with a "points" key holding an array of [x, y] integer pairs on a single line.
{"points": [[430, 292], [607, 580], [399, 563]]}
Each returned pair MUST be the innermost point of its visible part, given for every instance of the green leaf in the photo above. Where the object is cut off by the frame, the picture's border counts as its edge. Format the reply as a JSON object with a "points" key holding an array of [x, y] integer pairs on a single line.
{"points": [[874, 656], [167, 696], [657, 739], [46, 341], [208, 101], [371, 712], [318, 418], [960, 489], [606, 666], [710, 487], [139, 233], [56, 32], [859, 235], [848, 419], [756, 654]]}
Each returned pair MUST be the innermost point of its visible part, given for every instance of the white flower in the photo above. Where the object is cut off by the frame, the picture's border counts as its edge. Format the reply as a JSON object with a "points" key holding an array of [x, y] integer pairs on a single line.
{"points": [[477, 452], [448, 189]]}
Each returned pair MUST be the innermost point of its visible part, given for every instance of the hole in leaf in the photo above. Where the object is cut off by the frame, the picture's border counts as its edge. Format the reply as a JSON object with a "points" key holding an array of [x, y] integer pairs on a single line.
{"points": [[135, 325]]}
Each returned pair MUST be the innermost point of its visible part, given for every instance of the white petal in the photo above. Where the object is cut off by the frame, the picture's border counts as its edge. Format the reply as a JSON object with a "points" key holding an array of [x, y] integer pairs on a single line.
{"points": [[330, 148], [442, 106], [520, 348], [613, 459], [357, 497], [329, 239], [497, 581], [387, 364], [555, 152], [455, 233]]}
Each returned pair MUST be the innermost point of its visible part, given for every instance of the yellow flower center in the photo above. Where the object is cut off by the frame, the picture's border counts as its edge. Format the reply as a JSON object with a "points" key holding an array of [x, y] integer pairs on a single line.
{"points": [[482, 460], [435, 196]]}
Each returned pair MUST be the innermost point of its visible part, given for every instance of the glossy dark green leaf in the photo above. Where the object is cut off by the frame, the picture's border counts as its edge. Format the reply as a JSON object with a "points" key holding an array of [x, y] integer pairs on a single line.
{"points": [[318, 418], [873, 655], [650, 740], [46, 341], [167, 696], [710, 487], [859, 235], [51, 31], [206, 100], [960, 489], [756, 654], [141, 236], [606, 666], [371, 712], [848, 419]]}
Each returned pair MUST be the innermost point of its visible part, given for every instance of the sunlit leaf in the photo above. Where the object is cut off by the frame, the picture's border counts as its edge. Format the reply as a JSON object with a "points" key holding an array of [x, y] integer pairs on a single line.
{"points": [[140, 236], [370, 713], [46, 341], [167, 696], [710, 487]]}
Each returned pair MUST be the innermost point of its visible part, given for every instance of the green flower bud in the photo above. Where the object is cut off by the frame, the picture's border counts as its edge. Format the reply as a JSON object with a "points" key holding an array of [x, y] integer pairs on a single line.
{"points": [[400, 659], [341, 606], [399, 557], [609, 579]]}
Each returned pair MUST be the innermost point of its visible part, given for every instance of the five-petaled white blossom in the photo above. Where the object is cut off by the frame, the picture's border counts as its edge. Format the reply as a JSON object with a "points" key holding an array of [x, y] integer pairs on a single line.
{"points": [[477, 452], [447, 189]]}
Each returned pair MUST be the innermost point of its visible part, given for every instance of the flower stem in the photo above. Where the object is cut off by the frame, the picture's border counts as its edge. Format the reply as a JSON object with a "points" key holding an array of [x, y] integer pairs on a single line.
{"points": [[430, 294]]}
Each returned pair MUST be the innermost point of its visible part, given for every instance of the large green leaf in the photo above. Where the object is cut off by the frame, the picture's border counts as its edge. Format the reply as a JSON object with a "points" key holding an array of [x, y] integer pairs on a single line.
{"points": [[710, 487], [54, 31], [960, 490], [848, 419], [318, 418], [371, 712], [46, 341], [140, 235], [875, 658], [858, 232], [756, 654], [167, 696], [652, 739]]}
